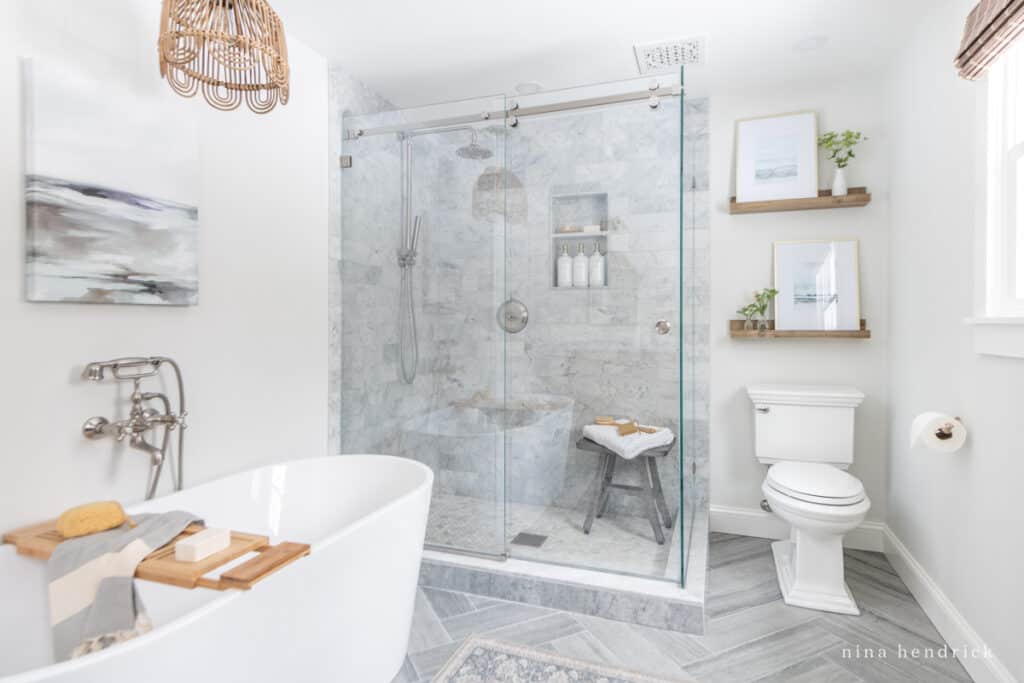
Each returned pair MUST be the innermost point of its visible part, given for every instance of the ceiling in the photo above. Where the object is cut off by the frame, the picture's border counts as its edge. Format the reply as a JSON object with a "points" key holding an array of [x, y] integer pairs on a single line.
{"points": [[427, 51]]}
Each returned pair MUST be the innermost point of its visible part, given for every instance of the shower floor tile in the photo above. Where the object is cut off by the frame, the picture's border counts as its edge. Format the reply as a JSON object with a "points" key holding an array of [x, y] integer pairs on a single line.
{"points": [[618, 543]]}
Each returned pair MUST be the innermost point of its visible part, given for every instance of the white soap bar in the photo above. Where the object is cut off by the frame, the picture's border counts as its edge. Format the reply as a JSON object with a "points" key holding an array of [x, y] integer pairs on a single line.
{"points": [[200, 546]]}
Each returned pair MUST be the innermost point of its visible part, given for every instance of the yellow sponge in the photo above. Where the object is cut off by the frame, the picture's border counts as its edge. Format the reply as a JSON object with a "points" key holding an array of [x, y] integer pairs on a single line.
{"points": [[90, 519]]}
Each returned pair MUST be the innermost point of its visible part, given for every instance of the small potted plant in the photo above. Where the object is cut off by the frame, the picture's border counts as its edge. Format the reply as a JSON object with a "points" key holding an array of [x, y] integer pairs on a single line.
{"points": [[759, 308], [839, 148]]}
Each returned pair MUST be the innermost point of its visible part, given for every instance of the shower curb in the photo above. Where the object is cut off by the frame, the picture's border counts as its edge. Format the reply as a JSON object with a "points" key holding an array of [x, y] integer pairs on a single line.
{"points": [[684, 614]]}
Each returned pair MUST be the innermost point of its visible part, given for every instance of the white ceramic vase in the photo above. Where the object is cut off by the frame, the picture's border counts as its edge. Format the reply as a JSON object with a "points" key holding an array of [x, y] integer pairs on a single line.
{"points": [[839, 188]]}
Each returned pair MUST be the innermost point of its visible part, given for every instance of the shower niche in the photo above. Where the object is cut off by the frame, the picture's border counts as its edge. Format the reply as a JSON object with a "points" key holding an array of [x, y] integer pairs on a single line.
{"points": [[578, 219]]}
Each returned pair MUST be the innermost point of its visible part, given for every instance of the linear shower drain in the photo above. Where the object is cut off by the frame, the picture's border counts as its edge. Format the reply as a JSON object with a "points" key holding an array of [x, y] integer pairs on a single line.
{"points": [[531, 540]]}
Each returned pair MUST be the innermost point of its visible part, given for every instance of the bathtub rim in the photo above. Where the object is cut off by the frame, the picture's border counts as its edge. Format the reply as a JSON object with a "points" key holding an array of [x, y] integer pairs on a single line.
{"points": [[43, 673]]}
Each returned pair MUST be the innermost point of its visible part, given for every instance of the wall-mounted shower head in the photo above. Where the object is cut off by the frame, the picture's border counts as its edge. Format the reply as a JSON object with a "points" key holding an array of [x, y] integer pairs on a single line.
{"points": [[93, 372], [474, 151]]}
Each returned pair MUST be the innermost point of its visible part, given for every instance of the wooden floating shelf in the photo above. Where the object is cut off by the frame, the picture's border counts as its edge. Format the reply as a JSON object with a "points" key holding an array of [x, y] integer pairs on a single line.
{"points": [[857, 196], [737, 332]]}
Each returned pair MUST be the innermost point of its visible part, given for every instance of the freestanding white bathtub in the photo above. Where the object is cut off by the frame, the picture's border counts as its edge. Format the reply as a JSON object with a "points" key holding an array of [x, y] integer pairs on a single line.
{"points": [[340, 615]]}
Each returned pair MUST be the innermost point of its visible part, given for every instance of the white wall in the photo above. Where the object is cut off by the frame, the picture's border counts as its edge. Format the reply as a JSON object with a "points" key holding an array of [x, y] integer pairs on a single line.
{"points": [[741, 248], [254, 351], [959, 515]]}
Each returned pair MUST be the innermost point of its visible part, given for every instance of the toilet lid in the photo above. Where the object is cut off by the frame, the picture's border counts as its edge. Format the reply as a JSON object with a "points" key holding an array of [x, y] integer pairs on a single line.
{"points": [[815, 483]]}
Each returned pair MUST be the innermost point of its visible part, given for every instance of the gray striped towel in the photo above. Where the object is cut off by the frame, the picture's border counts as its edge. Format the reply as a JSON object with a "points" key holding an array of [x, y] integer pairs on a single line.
{"points": [[93, 601]]}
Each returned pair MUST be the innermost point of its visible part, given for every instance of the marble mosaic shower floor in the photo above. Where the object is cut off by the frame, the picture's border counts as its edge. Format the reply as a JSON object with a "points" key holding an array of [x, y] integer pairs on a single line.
{"points": [[618, 543]]}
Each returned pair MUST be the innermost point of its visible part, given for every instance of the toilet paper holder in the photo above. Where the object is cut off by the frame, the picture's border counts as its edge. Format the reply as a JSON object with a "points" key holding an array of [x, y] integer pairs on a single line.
{"points": [[945, 432]]}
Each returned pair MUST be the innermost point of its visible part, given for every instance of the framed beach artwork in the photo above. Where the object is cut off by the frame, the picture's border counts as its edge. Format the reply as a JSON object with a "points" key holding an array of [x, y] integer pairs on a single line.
{"points": [[818, 284], [777, 157], [111, 191]]}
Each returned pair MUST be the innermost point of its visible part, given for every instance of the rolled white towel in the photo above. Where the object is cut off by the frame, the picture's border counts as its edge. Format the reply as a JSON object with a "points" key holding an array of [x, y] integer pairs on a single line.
{"points": [[631, 445]]}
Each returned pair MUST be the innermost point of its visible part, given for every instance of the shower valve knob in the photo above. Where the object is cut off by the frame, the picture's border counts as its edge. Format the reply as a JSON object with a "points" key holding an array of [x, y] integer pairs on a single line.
{"points": [[513, 316]]}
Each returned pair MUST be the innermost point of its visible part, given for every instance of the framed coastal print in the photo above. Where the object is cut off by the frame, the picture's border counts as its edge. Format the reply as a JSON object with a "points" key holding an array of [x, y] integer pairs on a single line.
{"points": [[818, 284], [777, 157]]}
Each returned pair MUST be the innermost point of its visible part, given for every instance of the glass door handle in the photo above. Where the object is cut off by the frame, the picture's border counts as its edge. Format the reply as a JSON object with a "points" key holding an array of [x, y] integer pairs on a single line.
{"points": [[663, 326]]}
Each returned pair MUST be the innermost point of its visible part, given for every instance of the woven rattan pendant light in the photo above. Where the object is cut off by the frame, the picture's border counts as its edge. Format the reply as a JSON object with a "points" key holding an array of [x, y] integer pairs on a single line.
{"points": [[232, 50]]}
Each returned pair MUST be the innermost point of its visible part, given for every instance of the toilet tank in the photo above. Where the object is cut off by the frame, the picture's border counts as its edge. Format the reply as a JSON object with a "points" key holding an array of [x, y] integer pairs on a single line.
{"points": [[804, 423]]}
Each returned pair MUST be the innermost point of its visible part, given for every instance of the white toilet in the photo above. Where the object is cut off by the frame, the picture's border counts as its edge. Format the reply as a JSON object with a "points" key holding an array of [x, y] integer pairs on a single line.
{"points": [[805, 434]]}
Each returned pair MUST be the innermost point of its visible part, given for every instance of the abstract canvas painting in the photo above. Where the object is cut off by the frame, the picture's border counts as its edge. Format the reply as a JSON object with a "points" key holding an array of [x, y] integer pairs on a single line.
{"points": [[111, 191]]}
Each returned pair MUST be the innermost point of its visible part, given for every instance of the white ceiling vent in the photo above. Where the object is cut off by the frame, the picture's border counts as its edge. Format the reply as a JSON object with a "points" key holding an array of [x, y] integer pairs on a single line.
{"points": [[652, 58]]}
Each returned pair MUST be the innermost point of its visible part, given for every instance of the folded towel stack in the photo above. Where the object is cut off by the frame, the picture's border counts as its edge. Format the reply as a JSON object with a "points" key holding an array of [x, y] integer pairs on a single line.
{"points": [[627, 438]]}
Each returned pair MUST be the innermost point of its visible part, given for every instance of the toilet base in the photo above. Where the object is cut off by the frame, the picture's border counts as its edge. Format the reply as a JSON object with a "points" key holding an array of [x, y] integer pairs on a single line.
{"points": [[813, 591]]}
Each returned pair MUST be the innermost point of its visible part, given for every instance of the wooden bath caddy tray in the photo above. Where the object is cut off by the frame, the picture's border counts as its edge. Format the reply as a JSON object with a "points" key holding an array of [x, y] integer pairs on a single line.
{"points": [[40, 540]]}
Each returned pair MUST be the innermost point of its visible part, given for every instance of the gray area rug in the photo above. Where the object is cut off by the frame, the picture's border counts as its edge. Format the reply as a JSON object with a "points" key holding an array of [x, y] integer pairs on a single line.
{"points": [[490, 661]]}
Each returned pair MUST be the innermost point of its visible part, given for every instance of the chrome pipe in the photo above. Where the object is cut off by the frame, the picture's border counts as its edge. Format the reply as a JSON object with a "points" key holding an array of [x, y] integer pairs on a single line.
{"points": [[180, 422]]}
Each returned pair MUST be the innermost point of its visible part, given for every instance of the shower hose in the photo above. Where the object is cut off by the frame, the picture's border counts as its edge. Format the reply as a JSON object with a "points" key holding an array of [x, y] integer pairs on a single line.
{"points": [[408, 344]]}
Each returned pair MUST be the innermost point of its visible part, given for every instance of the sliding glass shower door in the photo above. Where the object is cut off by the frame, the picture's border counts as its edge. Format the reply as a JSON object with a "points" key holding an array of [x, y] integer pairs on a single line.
{"points": [[597, 188], [422, 275], [510, 272]]}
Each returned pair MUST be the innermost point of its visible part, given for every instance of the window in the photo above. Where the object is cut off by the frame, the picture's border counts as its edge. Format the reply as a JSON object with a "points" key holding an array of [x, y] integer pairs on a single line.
{"points": [[1004, 247], [999, 327]]}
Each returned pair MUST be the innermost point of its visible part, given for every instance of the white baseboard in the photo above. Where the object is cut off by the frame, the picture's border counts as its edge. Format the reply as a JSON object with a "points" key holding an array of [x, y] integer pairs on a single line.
{"points": [[756, 522], [879, 537], [944, 614]]}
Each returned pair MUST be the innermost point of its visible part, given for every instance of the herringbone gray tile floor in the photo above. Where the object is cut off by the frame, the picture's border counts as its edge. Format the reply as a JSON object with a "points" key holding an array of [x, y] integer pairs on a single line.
{"points": [[751, 634]]}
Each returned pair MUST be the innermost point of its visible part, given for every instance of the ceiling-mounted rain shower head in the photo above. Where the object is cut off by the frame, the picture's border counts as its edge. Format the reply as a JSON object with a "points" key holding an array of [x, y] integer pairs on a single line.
{"points": [[474, 151], [669, 55]]}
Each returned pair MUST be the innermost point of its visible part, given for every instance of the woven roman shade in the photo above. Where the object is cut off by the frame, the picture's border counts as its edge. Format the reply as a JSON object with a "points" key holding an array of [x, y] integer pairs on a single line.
{"points": [[991, 28]]}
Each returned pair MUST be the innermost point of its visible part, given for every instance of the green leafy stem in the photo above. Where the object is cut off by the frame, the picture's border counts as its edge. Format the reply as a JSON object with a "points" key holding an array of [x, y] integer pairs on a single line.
{"points": [[839, 145], [759, 306]]}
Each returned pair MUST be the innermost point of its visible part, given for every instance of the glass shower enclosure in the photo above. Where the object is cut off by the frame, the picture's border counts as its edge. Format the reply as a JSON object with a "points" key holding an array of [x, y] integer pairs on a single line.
{"points": [[464, 346]]}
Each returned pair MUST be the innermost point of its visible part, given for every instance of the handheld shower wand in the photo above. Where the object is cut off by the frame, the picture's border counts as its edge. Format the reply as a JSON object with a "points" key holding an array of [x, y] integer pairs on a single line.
{"points": [[408, 341], [142, 418]]}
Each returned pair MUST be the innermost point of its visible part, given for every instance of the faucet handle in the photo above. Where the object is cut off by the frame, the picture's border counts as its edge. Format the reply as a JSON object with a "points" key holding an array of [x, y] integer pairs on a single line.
{"points": [[93, 427], [100, 427], [174, 421]]}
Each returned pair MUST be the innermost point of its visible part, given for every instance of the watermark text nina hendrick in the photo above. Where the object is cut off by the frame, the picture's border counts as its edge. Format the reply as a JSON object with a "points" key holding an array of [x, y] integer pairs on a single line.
{"points": [[903, 652]]}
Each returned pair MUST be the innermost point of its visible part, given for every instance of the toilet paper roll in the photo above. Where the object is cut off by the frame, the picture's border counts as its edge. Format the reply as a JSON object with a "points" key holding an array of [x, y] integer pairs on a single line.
{"points": [[925, 432]]}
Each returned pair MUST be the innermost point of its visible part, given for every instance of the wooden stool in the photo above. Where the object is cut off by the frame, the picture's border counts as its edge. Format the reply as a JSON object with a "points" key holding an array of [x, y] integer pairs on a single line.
{"points": [[656, 507]]}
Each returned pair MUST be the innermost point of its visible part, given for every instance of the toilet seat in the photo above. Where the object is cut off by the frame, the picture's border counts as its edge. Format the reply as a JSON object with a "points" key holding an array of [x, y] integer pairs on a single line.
{"points": [[816, 483]]}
